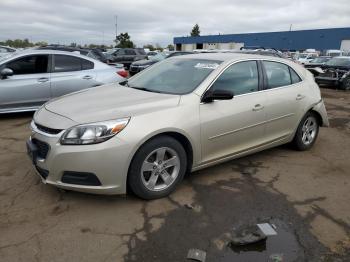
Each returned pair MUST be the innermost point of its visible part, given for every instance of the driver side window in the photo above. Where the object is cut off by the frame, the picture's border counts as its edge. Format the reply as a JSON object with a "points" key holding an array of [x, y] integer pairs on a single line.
{"points": [[240, 78]]}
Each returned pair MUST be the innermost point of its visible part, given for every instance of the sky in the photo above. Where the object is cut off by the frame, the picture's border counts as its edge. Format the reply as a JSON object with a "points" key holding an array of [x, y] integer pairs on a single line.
{"points": [[157, 22]]}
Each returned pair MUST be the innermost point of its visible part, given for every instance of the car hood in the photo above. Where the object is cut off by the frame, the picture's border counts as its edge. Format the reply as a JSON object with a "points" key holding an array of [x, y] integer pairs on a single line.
{"points": [[109, 102], [144, 62], [335, 67]]}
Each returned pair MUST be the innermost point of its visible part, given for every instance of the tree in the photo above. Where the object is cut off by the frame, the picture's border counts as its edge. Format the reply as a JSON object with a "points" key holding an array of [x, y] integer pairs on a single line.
{"points": [[123, 41], [170, 47], [150, 47], [195, 30]]}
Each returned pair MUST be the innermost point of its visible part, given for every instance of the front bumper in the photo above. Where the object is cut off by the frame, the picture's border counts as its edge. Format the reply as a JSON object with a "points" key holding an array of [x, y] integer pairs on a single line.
{"points": [[108, 161], [327, 80]]}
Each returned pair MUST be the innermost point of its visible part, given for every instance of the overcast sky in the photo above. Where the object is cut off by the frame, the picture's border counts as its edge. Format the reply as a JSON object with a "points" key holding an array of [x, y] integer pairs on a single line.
{"points": [[155, 21]]}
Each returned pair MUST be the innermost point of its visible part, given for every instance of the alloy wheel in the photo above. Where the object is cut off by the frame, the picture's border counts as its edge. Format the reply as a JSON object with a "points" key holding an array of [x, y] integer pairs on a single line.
{"points": [[160, 169], [309, 130]]}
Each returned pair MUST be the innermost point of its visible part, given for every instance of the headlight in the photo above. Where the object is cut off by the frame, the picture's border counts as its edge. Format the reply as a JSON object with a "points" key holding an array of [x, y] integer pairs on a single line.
{"points": [[93, 133]]}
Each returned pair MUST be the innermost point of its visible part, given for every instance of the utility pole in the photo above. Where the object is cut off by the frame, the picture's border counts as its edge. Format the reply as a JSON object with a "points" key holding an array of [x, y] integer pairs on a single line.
{"points": [[116, 29]]}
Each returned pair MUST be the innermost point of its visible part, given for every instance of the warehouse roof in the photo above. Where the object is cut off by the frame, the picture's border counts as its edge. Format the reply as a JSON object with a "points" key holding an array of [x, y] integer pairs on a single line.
{"points": [[318, 38]]}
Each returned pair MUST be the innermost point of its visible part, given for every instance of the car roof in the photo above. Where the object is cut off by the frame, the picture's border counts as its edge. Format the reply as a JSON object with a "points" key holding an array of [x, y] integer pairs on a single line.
{"points": [[50, 51], [229, 56]]}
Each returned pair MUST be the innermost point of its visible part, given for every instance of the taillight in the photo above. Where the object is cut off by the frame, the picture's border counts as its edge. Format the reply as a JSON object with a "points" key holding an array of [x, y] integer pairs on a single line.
{"points": [[123, 73]]}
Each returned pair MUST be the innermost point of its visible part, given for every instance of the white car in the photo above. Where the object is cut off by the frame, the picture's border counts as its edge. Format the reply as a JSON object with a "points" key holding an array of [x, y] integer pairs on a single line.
{"points": [[30, 78]]}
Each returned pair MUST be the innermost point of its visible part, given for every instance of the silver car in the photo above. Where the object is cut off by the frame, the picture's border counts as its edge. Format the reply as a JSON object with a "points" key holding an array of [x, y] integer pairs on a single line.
{"points": [[180, 115], [30, 78]]}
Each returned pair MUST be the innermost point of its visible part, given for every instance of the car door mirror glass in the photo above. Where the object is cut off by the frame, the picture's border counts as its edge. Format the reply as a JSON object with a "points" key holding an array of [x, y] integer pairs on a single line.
{"points": [[6, 72], [218, 94]]}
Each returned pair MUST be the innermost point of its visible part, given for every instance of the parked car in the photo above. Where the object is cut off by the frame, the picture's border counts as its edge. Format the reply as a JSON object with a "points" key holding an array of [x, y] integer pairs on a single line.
{"points": [[90, 52], [305, 58], [151, 53], [335, 72], [318, 61], [140, 65], [126, 56], [30, 78], [334, 52], [5, 50], [182, 114]]}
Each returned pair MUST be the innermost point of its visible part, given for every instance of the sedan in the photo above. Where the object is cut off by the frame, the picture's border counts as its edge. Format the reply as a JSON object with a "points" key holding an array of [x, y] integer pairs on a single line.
{"points": [[180, 115], [30, 78]]}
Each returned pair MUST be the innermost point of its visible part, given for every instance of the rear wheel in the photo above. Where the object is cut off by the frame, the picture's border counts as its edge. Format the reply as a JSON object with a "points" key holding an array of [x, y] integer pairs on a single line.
{"points": [[307, 132], [157, 168]]}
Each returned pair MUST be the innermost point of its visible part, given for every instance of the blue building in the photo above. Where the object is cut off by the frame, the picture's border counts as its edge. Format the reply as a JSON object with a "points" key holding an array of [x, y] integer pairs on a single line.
{"points": [[319, 39]]}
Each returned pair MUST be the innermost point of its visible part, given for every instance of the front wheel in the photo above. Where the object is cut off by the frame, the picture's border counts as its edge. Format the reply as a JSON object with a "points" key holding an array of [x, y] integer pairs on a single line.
{"points": [[157, 168], [345, 85], [307, 132]]}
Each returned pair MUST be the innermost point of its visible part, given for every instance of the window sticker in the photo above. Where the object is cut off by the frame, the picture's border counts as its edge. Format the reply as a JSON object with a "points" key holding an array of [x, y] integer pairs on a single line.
{"points": [[207, 65]]}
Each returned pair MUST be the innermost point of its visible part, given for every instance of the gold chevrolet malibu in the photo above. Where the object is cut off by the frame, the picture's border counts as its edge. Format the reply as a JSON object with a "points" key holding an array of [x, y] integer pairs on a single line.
{"points": [[179, 115]]}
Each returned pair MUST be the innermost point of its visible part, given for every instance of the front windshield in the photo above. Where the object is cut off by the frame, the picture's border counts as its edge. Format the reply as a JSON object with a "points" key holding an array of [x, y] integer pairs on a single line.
{"points": [[159, 57], [302, 55], [339, 62], [174, 75], [319, 60]]}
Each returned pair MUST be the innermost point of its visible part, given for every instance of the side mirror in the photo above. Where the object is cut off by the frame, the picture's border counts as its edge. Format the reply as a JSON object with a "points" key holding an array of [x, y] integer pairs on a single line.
{"points": [[218, 94], [6, 72]]}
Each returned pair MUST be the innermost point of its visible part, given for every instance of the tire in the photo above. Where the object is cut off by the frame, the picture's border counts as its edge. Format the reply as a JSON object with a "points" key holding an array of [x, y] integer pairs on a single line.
{"points": [[157, 168], [307, 132], [345, 85]]}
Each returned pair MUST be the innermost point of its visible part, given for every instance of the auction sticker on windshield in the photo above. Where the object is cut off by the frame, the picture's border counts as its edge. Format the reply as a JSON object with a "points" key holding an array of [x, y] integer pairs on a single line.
{"points": [[207, 65]]}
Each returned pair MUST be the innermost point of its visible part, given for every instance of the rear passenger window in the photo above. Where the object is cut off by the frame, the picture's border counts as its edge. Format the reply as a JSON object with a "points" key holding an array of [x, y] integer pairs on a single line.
{"points": [[87, 64], [34, 64], [294, 76], [277, 74], [240, 78], [65, 63]]}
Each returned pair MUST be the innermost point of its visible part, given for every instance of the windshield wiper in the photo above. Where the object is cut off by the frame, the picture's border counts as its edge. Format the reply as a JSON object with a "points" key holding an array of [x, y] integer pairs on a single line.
{"points": [[145, 89]]}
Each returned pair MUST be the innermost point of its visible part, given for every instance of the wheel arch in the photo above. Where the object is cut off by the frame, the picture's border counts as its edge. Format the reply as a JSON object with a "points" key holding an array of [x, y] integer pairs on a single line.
{"points": [[177, 135]]}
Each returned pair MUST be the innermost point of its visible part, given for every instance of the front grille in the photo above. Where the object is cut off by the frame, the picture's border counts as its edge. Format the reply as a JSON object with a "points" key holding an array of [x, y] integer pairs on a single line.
{"points": [[48, 130], [43, 148]]}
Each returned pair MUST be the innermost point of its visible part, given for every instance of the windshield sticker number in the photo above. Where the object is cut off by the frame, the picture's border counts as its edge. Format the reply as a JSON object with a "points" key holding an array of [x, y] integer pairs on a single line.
{"points": [[207, 66]]}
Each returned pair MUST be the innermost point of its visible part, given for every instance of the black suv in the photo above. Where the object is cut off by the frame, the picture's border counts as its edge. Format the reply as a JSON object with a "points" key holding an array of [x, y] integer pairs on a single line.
{"points": [[127, 56]]}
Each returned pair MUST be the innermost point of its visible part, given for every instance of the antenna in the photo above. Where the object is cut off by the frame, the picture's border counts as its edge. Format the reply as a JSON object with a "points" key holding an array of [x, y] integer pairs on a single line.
{"points": [[116, 28]]}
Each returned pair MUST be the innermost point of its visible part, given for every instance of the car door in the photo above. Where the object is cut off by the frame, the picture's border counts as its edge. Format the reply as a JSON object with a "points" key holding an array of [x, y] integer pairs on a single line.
{"points": [[236, 125], [285, 94], [70, 74], [29, 86]]}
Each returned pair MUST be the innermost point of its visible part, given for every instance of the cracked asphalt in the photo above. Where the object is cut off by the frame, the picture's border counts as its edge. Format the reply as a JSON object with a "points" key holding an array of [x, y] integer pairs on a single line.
{"points": [[305, 194]]}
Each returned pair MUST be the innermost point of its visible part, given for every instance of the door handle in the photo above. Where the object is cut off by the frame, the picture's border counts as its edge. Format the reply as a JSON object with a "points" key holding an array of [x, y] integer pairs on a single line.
{"points": [[43, 79], [299, 97], [87, 77], [258, 107]]}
